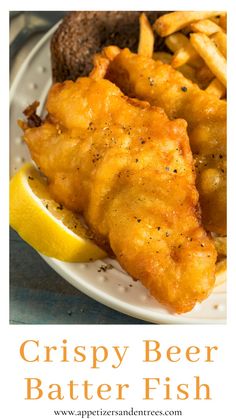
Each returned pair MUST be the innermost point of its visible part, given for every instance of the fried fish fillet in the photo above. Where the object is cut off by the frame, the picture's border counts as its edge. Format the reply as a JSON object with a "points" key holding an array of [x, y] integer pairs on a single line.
{"points": [[161, 85], [129, 170]]}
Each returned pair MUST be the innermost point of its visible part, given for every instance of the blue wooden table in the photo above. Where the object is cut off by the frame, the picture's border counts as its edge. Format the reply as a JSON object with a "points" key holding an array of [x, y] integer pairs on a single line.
{"points": [[38, 295]]}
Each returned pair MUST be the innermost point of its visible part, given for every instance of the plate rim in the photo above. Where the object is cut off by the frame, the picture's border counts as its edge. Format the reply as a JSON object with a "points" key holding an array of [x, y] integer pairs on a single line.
{"points": [[123, 307], [34, 50]]}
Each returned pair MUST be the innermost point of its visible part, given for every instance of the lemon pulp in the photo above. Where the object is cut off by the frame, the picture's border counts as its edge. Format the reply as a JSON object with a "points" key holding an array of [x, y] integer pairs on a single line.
{"points": [[45, 224]]}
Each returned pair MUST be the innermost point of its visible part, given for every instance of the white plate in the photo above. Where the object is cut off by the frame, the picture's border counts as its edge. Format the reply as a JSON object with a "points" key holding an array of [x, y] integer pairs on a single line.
{"points": [[114, 287]]}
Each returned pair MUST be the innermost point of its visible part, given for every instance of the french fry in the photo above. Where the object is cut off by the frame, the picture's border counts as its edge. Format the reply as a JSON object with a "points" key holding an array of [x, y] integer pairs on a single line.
{"points": [[220, 40], [206, 26], [100, 67], [186, 30], [221, 271], [176, 41], [211, 55], [111, 52], [184, 55], [220, 245], [216, 88], [165, 57], [101, 62], [204, 76], [215, 19], [223, 22], [174, 21], [188, 72], [184, 51], [146, 37]]}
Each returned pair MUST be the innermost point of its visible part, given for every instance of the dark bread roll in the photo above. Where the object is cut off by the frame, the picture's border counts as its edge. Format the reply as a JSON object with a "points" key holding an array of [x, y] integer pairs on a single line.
{"points": [[82, 34]]}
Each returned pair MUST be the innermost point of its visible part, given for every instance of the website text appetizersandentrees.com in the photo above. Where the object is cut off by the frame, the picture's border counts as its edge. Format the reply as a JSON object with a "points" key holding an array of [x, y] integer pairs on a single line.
{"points": [[87, 414]]}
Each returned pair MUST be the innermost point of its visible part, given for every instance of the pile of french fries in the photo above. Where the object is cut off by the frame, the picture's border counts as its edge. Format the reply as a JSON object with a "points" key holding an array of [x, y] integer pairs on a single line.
{"points": [[197, 44]]}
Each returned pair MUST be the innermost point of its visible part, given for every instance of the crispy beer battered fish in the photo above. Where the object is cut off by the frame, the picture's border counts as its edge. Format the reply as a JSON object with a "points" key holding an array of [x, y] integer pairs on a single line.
{"points": [[161, 85], [129, 171]]}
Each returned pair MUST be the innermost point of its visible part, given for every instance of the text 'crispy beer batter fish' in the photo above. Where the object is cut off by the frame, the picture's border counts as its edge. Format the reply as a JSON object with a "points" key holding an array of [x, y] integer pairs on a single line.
{"points": [[129, 171], [161, 85]]}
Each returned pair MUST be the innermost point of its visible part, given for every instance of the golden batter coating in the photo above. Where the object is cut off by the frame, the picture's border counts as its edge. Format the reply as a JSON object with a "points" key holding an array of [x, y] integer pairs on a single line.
{"points": [[129, 171], [161, 85]]}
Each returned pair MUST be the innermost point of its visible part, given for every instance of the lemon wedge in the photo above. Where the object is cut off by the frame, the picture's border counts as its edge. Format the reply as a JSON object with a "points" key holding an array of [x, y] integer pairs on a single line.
{"points": [[43, 223]]}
